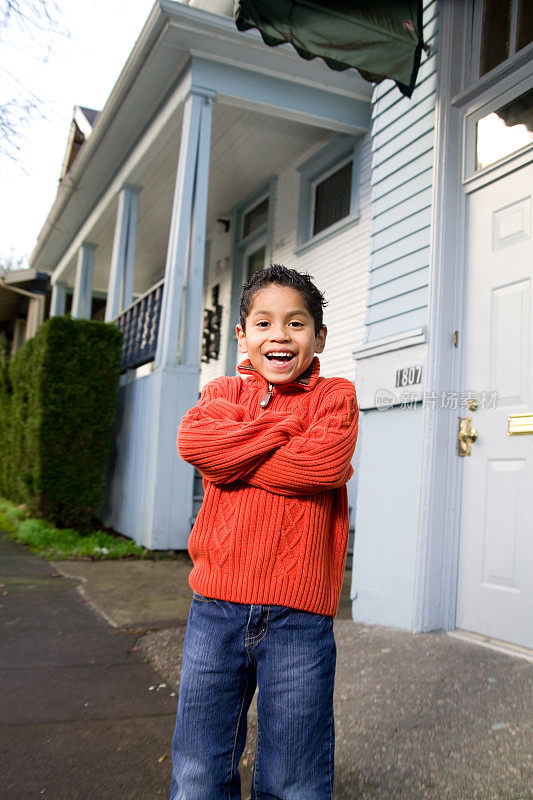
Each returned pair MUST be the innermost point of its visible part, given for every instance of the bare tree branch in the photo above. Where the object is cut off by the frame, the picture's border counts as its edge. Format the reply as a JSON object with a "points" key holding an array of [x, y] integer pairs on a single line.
{"points": [[30, 14], [9, 262], [39, 23]]}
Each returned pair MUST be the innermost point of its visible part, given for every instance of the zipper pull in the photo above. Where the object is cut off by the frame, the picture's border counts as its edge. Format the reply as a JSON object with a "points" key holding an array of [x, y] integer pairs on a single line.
{"points": [[268, 397]]}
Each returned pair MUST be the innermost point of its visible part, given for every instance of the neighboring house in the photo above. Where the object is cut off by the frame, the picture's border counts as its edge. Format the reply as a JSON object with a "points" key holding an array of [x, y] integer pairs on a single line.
{"points": [[24, 301], [216, 155]]}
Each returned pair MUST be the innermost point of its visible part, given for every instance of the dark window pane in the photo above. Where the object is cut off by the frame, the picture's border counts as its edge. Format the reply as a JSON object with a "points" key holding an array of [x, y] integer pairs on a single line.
{"points": [[524, 25], [495, 33], [505, 131], [255, 218], [332, 198], [256, 261]]}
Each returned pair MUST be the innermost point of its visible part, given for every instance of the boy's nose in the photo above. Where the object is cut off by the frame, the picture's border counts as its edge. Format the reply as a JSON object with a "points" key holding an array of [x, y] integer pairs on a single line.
{"points": [[279, 335]]}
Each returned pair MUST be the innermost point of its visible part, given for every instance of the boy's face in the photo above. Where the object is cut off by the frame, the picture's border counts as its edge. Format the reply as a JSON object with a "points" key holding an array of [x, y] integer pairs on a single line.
{"points": [[280, 334]]}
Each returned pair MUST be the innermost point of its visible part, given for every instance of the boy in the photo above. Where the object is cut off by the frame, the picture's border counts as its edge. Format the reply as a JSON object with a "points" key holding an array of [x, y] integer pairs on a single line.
{"points": [[269, 546]]}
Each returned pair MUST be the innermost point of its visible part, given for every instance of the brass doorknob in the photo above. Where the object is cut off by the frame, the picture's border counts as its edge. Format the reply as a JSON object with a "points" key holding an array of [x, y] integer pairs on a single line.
{"points": [[467, 435]]}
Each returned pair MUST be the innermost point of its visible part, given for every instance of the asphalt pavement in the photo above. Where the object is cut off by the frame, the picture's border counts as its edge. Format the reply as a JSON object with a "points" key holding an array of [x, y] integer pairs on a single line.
{"points": [[78, 720]]}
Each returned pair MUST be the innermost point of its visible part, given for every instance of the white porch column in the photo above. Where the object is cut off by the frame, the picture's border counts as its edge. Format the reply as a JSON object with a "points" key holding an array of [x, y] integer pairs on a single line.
{"points": [[120, 288], [58, 301], [186, 247], [81, 301]]}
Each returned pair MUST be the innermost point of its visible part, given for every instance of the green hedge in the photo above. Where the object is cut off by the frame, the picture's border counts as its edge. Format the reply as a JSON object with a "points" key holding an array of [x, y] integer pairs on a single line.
{"points": [[6, 396], [57, 404]]}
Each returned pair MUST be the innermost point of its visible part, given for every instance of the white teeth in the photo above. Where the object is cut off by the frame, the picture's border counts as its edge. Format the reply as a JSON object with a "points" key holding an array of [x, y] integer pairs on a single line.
{"points": [[280, 354]]}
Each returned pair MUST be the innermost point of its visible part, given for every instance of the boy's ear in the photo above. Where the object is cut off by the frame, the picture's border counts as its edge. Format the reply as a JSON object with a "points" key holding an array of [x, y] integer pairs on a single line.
{"points": [[241, 339], [320, 340]]}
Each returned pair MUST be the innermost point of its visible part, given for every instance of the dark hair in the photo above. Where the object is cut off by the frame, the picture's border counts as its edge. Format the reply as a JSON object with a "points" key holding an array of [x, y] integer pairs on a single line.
{"points": [[279, 275]]}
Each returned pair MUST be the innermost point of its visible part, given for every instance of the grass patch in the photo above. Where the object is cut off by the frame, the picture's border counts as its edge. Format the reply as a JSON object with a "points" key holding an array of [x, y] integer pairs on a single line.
{"points": [[57, 544], [11, 516]]}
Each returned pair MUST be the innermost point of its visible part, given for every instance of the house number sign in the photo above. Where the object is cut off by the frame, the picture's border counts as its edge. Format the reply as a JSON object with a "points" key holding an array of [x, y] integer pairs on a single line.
{"points": [[408, 376]]}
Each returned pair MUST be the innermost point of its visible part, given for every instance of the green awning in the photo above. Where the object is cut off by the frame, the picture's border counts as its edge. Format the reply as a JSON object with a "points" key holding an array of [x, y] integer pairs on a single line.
{"points": [[382, 39]]}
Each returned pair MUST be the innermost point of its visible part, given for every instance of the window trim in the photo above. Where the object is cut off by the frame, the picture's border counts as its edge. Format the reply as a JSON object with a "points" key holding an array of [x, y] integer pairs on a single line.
{"points": [[312, 172]]}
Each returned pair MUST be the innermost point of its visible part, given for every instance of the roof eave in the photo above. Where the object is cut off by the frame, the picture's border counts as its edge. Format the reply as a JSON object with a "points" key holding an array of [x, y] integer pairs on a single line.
{"points": [[186, 23]]}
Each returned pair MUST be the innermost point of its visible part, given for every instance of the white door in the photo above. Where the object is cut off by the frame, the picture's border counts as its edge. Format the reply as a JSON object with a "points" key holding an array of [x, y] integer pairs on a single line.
{"points": [[495, 589]]}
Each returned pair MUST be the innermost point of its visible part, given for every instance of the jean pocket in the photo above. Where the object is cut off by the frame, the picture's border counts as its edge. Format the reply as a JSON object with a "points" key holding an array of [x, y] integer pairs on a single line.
{"points": [[202, 599]]}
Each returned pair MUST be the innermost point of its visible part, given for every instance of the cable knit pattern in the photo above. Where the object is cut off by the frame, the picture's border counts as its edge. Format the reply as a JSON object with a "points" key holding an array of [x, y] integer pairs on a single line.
{"points": [[273, 527]]}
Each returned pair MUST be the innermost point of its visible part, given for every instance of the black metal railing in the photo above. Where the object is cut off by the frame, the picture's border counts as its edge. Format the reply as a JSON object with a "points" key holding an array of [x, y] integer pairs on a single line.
{"points": [[139, 323]]}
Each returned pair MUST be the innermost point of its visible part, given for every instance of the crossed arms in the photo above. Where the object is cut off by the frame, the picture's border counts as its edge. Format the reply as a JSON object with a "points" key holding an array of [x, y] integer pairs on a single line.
{"points": [[275, 451]]}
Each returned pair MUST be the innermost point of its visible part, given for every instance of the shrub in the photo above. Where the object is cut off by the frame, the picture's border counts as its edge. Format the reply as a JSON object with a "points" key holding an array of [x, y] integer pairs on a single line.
{"points": [[60, 391]]}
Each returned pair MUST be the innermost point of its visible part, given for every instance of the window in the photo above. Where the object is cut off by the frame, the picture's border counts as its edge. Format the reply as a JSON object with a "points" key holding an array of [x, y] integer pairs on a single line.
{"points": [[504, 131], [253, 245], [331, 197], [329, 191], [524, 25], [253, 236], [255, 260], [498, 121], [506, 28], [254, 226], [255, 218]]}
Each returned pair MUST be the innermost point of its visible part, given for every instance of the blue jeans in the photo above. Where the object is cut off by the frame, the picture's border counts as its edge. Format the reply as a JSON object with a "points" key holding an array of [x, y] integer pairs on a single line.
{"points": [[229, 649]]}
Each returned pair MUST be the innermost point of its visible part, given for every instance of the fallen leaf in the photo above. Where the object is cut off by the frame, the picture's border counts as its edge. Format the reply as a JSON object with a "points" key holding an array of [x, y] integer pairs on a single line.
{"points": [[161, 759]]}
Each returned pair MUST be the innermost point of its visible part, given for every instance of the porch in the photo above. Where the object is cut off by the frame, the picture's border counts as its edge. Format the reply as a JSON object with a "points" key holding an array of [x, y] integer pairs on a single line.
{"points": [[210, 118]]}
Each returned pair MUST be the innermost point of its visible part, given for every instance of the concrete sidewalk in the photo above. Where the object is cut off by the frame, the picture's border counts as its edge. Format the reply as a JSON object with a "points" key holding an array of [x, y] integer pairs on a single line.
{"points": [[417, 717]]}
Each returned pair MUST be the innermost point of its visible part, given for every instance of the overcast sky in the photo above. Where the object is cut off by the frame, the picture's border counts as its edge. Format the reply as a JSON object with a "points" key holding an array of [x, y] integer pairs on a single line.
{"points": [[61, 71]]}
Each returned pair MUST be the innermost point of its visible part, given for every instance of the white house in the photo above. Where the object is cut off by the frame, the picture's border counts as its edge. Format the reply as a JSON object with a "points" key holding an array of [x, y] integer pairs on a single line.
{"points": [[216, 155]]}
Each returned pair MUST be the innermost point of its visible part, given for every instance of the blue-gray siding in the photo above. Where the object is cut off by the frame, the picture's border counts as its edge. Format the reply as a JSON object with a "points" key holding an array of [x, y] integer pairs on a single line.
{"points": [[403, 135]]}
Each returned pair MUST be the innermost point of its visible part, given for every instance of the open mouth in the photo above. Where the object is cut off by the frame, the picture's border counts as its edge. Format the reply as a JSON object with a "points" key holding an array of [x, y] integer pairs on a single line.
{"points": [[280, 357]]}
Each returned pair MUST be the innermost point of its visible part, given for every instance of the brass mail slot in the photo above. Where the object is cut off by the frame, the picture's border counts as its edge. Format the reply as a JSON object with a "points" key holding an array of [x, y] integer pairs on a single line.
{"points": [[520, 424]]}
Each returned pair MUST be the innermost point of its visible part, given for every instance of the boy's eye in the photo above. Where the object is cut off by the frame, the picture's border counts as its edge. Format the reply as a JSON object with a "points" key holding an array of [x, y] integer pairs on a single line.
{"points": [[264, 323]]}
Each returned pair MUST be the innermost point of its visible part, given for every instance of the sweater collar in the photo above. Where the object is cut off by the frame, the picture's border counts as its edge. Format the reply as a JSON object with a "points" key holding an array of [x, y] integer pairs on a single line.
{"points": [[307, 380]]}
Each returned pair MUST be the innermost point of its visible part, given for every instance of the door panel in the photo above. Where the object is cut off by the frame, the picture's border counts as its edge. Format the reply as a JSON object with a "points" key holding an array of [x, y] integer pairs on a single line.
{"points": [[495, 581]]}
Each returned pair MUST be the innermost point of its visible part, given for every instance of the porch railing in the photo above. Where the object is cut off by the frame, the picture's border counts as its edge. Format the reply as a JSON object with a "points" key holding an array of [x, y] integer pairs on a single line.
{"points": [[139, 323]]}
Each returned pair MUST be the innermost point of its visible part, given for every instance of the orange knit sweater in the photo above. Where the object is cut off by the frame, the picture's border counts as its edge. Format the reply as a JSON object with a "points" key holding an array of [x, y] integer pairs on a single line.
{"points": [[273, 527]]}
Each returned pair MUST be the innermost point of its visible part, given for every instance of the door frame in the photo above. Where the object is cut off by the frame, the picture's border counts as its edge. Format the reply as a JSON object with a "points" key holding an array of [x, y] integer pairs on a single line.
{"points": [[438, 535]]}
